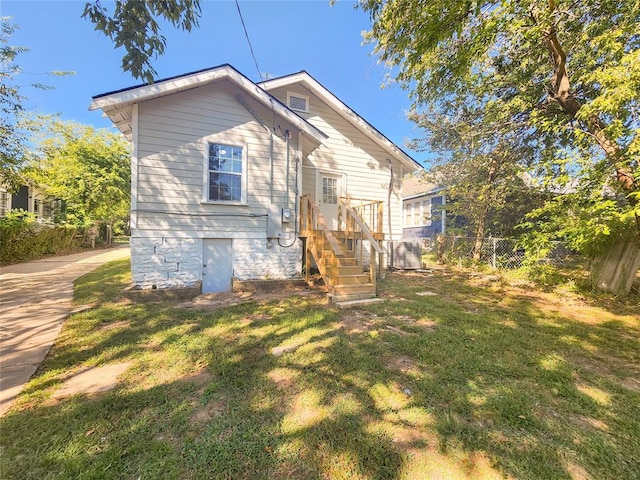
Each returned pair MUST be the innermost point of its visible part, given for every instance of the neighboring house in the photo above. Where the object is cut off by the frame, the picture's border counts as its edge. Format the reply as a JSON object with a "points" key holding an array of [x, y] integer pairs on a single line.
{"points": [[424, 213], [237, 180], [30, 199]]}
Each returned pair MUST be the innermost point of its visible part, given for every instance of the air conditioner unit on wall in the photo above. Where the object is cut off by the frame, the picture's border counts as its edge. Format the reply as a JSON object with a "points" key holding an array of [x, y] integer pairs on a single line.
{"points": [[406, 255]]}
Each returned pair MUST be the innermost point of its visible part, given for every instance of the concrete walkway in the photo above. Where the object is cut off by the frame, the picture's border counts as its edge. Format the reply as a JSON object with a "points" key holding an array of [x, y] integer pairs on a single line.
{"points": [[35, 299]]}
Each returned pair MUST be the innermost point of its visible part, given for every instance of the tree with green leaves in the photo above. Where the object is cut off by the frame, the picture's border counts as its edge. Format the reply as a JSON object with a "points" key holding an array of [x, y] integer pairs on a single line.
{"points": [[134, 25], [565, 75], [482, 164], [13, 134], [87, 169], [15, 127]]}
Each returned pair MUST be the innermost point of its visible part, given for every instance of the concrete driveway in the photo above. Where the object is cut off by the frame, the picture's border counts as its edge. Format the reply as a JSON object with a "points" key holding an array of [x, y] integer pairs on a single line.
{"points": [[35, 299]]}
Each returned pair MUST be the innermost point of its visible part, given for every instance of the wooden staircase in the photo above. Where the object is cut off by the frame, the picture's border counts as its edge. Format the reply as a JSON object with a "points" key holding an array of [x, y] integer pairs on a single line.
{"points": [[340, 254]]}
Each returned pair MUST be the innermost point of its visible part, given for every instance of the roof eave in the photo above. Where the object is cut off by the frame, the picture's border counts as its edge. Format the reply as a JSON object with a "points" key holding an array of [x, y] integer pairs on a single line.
{"points": [[429, 193], [128, 97], [347, 112]]}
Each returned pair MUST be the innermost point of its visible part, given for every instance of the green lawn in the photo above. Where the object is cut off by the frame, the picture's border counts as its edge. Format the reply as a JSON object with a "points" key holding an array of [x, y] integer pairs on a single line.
{"points": [[454, 376]]}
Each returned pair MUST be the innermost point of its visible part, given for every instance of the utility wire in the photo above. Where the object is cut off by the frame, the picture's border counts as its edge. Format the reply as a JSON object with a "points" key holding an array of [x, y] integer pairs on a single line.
{"points": [[246, 34]]}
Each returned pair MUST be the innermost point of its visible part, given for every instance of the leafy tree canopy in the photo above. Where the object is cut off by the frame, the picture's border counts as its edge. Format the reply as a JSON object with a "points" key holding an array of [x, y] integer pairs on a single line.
{"points": [[15, 127], [134, 25], [86, 168], [557, 81], [13, 131]]}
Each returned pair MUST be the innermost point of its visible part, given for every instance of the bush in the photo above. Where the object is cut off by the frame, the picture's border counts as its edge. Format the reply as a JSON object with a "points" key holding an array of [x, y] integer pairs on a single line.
{"points": [[542, 274], [22, 238]]}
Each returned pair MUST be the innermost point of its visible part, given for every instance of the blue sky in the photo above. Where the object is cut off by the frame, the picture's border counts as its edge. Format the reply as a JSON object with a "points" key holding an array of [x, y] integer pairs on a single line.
{"points": [[287, 36]]}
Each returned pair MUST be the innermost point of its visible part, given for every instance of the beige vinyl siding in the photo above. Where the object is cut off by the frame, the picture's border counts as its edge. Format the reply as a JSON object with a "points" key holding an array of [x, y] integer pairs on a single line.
{"points": [[309, 180], [352, 152], [173, 134]]}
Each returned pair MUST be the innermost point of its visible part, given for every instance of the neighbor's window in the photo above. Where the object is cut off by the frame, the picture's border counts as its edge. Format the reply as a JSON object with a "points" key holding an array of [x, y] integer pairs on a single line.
{"points": [[4, 203], [417, 213], [226, 173], [37, 207], [426, 212], [47, 210], [407, 214]]}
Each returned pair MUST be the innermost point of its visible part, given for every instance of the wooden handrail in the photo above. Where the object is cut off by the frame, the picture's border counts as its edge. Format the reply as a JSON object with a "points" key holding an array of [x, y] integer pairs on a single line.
{"points": [[327, 250], [365, 230], [363, 201], [314, 224], [322, 224]]}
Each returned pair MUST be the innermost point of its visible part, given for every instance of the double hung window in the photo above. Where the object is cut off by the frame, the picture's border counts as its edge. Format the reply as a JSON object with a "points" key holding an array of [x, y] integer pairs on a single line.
{"points": [[226, 172], [417, 213]]}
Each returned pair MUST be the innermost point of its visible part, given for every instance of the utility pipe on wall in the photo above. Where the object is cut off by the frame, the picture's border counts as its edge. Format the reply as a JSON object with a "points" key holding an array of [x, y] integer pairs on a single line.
{"points": [[287, 136], [391, 181]]}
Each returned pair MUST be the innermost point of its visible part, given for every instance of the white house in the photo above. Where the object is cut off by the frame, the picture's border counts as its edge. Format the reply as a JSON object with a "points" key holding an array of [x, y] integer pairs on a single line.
{"points": [[233, 179]]}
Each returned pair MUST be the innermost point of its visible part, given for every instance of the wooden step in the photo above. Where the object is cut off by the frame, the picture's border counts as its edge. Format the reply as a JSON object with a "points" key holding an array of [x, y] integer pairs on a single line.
{"points": [[353, 289], [350, 298], [353, 279], [341, 235], [343, 252], [350, 270], [342, 261]]}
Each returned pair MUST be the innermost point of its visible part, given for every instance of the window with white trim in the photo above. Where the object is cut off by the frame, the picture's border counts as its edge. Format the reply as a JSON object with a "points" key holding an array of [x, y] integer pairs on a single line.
{"points": [[417, 213], [297, 102], [426, 211], [226, 173]]}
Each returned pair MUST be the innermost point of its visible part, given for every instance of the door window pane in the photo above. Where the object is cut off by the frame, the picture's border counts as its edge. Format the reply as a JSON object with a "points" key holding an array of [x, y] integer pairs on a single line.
{"points": [[330, 190]]}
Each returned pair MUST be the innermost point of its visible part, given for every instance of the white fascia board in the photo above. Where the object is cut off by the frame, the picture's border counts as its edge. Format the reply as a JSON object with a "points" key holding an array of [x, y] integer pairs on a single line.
{"points": [[284, 81], [431, 193], [147, 92], [336, 104], [162, 88]]}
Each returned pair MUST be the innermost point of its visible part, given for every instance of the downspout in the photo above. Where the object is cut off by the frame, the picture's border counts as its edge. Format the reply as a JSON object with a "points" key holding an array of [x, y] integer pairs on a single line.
{"points": [[296, 192], [389, 190], [391, 181], [135, 168], [239, 98], [287, 136]]}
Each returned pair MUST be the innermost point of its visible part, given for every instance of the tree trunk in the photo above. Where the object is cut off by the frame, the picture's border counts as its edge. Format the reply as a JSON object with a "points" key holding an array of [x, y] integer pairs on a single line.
{"points": [[561, 94], [477, 245], [616, 270]]}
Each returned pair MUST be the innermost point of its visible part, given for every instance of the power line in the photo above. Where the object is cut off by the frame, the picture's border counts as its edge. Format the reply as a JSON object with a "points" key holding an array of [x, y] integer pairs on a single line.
{"points": [[246, 34]]}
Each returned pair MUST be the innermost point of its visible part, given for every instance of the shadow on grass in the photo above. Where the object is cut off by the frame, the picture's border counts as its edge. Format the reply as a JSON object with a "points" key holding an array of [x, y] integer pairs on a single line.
{"points": [[103, 284], [473, 382], [548, 392], [154, 428]]}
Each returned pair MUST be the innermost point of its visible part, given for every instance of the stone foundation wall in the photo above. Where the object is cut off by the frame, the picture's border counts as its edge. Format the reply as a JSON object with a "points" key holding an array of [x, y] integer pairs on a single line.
{"points": [[177, 262], [254, 260], [165, 262]]}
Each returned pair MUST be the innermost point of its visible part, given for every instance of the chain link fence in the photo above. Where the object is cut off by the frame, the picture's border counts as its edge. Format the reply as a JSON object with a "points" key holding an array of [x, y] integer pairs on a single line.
{"points": [[495, 252]]}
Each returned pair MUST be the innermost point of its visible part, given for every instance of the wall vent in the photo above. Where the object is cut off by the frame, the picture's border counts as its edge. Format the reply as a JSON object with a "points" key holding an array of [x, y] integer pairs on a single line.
{"points": [[406, 255], [298, 102]]}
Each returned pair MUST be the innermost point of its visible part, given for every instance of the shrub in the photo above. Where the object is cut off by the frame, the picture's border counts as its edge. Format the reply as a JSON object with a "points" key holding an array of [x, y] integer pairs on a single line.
{"points": [[23, 238], [542, 274]]}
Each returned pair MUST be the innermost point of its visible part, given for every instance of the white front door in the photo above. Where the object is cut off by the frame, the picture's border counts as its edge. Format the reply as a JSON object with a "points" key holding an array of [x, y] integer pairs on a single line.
{"points": [[217, 265], [328, 190]]}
